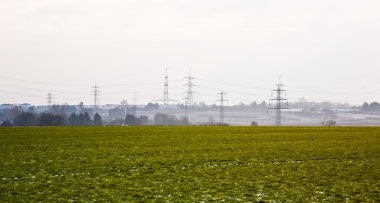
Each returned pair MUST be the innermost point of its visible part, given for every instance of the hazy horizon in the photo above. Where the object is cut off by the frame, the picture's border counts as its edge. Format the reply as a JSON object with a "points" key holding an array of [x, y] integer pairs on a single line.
{"points": [[324, 50]]}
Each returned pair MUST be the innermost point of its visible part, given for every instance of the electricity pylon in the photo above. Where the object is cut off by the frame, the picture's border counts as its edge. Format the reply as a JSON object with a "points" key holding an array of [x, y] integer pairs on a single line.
{"points": [[95, 92], [189, 93], [279, 101], [221, 109]]}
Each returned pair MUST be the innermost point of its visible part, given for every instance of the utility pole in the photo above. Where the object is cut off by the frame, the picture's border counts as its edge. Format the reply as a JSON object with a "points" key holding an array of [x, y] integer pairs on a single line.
{"points": [[166, 89], [221, 100], [49, 98], [189, 93], [95, 92], [135, 103], [279, 101], [135, 98]]}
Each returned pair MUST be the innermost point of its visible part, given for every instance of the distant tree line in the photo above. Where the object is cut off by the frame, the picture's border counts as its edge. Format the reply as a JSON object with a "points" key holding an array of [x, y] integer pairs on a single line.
{"points": [[84, 119], [159, 119], [164, 119], [51, 119], [374, 106], [133, 120]]}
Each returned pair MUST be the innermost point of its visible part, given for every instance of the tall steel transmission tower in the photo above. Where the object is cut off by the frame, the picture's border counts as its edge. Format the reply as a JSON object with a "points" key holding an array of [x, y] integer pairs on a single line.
{"points": [[166, 89], [166, 98], [189, 93], [279, 101], [221, 109], [95, 92]]}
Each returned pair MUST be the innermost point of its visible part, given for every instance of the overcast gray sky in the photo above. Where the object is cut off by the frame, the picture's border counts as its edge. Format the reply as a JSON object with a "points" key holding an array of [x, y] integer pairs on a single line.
{"points": [[324, 49]]}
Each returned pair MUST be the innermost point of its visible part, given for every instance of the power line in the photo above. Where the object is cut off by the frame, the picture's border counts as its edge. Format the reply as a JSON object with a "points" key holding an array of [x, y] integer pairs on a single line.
{"points": [[33, 95], [231, 92], [189, 93], [39, 82], [155, 83], [38, 89], [279, 102], [76, 85], [232, 84], [350, 92], [221, 109], [132, 84]]}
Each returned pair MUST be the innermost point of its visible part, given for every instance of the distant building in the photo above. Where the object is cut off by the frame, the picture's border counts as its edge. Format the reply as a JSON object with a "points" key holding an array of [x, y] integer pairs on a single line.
{"points": [[25, 106], [6, 106]]}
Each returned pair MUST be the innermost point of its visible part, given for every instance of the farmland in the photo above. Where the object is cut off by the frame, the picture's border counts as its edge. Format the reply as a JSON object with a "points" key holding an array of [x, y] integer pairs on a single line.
{"points": [[190, 164]]}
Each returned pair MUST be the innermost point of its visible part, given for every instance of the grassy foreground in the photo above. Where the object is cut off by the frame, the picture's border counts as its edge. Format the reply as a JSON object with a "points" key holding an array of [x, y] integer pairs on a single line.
{"points": [[190, 164]]}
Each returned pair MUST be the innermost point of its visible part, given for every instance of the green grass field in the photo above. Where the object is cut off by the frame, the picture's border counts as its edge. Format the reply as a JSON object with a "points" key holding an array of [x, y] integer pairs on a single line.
{"points": [[190, 164]]}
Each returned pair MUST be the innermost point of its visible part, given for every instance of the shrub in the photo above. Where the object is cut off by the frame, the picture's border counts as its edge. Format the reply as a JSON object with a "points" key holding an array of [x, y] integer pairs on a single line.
{"points": [[6, 123], [328, 122], [254, 123]]}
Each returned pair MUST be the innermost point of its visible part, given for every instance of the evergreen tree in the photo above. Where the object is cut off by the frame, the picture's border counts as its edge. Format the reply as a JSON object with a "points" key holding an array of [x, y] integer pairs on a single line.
{"points": [[144, 120], [131, 120], [48, 119], [81, 119], [73, 119], [7, 123], [98, 120], [25, 119], [86, 119]]}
